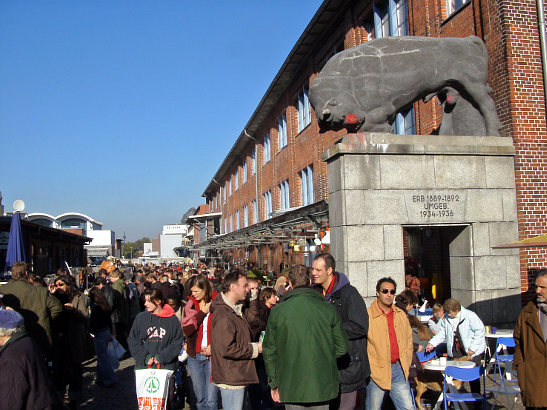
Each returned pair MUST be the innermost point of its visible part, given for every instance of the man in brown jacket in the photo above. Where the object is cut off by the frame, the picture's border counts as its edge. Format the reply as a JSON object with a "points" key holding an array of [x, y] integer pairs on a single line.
{"points": [[389, 350], [232, 352], [531, 347]]}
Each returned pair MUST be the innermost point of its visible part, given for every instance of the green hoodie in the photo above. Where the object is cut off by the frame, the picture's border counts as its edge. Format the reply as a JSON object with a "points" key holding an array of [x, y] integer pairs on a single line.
{"points": [[304, 336]]}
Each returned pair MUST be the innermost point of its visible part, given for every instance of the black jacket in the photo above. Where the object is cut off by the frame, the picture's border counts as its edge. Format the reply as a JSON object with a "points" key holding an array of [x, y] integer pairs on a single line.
{"points": [[353, 367], [25, 383]]}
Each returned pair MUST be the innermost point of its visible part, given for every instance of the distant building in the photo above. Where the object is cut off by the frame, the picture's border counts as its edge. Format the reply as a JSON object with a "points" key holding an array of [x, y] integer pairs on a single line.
{"points": [[46, 248], [103, 240], [170, 239], [204, 225]]}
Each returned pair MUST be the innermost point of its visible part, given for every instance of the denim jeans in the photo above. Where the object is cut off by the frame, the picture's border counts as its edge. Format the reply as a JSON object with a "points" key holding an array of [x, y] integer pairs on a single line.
{"points": [[206, 392], [399, 393], [232, 399], [105, 370]]}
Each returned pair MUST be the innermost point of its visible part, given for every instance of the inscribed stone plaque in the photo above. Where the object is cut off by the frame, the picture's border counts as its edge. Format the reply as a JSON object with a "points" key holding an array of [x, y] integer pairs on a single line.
{"points": [[443, 205]]}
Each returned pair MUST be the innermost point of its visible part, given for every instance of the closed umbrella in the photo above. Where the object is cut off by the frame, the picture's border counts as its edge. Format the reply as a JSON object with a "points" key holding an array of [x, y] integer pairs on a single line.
{"points": [[16, 247]]}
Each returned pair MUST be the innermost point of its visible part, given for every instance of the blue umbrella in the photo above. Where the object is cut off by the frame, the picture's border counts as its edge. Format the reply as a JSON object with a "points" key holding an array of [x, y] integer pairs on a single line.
{"points": [[16, 247]]}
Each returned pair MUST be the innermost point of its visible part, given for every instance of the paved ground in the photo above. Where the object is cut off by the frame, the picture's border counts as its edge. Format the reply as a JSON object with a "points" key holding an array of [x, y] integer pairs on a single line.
{"points": [[122, 396]]}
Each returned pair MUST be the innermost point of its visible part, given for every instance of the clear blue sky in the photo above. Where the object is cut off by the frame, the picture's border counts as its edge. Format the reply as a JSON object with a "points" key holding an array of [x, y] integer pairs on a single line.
{"points": [[124, 110]]}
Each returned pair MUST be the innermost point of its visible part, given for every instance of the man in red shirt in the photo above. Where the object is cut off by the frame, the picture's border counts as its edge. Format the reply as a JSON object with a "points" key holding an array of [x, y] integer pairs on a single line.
{"points": [[389, 362]]}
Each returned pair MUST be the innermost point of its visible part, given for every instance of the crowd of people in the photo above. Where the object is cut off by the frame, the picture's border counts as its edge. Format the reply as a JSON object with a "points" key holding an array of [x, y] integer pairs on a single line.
{"points": [[310, 342]]}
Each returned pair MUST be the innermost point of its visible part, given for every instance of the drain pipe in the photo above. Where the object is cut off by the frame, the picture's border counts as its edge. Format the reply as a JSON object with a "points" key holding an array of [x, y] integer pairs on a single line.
{"points": [[255, 170], [541, 26], [256, 174]]}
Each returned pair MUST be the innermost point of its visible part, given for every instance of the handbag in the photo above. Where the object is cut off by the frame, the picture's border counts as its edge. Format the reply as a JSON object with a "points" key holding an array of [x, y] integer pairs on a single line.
{"points": [[115, 351], [152, 387], [118, 348]]}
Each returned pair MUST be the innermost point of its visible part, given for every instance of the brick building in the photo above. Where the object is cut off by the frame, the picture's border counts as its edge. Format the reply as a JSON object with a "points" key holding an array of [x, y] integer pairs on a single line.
{"points": [[271, 189]]}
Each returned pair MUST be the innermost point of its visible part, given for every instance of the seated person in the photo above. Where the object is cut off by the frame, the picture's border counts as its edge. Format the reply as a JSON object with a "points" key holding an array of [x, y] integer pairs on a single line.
{"points": [[435, 321]]}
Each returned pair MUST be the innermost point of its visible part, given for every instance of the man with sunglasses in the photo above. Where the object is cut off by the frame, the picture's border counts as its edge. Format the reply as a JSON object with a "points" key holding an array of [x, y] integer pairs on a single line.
{"points": [[389, 359]]}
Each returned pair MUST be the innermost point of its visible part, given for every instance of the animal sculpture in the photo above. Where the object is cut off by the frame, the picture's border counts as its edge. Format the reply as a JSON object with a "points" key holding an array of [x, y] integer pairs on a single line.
{"points": [[364, 87]]}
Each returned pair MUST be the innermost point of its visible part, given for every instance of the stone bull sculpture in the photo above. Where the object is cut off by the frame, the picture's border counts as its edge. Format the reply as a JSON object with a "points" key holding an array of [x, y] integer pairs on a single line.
{"points": [[364, 87]]}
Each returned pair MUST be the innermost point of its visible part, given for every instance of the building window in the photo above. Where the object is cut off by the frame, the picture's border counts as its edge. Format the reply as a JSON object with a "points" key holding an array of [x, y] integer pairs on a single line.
{"points": [[285, 197], [282, 131], [306, 178], [454, 5], [254, 159], [255, 211], [225, 225], [267, 148], [231, 223], [390, 18], [404, 122], [245, 216], [237, 220], [244, 171], [304, 114], [237, 179], [339, 46], [267, 204]]}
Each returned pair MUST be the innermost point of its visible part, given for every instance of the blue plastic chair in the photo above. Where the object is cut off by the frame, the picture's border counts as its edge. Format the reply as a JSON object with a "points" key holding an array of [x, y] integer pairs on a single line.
{"points": [[502, 358], [426, 357], [504, 386], [466, 375], [412, 393]]}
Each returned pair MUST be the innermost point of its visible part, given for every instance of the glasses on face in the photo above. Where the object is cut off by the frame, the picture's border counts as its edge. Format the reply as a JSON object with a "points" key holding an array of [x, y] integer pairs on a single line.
{"points": [[60, 284], [386, 291]]}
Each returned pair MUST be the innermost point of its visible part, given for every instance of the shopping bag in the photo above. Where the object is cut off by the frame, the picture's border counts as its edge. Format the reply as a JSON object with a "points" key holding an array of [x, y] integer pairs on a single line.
{"points": [[118, 349], [112, 355], [152, 388]]}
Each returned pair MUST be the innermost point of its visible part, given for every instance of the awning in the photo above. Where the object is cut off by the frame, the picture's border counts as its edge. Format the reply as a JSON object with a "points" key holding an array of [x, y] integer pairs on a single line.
{"points": [[206, 217], [302, 222], [536, 241]]}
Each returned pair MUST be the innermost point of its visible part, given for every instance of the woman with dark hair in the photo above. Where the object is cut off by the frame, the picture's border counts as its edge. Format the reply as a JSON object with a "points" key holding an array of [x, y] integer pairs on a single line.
{"points": [[406, 300], [196, 325], [100, 326], [70, 339], [156, 337], [269, 297]]}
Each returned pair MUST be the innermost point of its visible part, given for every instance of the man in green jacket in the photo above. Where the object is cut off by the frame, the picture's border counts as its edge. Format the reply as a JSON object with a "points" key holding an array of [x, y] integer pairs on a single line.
{"points": [[304, 337], [38, 307]]}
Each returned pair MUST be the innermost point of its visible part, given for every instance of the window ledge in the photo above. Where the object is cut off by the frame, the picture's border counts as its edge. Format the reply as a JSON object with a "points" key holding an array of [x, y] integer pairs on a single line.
{"points": [[302, 130]]}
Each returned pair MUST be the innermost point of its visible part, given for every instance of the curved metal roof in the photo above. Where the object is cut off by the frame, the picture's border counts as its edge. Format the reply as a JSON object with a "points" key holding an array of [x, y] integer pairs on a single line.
{"points": [[37, 215]]}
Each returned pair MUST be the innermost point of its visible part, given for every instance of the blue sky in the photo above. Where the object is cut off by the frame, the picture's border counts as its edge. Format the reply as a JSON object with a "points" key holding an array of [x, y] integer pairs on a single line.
{"points": [[124, 110]]}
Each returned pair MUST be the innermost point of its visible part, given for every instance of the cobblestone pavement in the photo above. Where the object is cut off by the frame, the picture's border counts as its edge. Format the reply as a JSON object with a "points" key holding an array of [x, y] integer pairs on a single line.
{"points": [[122, 396]]}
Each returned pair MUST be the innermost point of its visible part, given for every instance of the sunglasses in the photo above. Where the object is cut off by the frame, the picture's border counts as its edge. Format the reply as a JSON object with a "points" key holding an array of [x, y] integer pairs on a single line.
{"points": [[60, 284], [386, 291]]}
